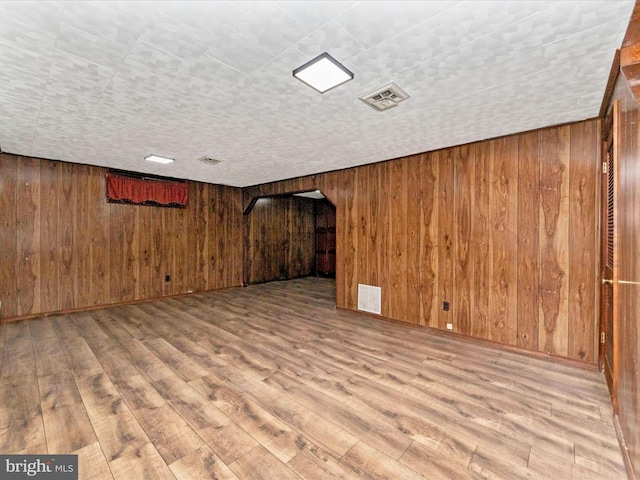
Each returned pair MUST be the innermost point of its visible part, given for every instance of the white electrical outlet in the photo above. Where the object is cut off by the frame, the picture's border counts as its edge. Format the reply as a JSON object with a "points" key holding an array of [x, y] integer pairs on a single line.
{"points": [[449, 326]]}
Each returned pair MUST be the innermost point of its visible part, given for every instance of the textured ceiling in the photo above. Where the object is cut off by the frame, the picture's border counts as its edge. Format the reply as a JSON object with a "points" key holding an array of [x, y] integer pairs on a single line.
{"points": [[106, 83]]}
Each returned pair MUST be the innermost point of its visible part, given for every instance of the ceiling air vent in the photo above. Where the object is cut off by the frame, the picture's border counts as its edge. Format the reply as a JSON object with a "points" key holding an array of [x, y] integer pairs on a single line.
{"points": [[209, 160], [385, 97]]}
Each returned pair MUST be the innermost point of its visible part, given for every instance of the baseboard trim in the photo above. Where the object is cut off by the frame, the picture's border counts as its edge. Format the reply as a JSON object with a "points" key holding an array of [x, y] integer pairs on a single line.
{"points": [[628, 466], [482, 341]]}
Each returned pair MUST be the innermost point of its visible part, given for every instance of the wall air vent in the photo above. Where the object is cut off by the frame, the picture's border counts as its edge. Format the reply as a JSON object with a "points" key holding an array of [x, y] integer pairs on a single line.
{"points": [[209, 160], [385, 97], [369, 298]]}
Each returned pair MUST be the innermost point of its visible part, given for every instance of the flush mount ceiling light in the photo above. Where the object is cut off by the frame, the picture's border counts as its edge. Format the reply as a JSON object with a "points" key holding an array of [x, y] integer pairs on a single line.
{"points": [[158, 159], [323, 73]]}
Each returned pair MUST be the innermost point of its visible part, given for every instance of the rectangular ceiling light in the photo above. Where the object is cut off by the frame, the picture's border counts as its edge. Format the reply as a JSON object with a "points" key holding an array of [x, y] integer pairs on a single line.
{"points": [[158, 159], [323, 73]]}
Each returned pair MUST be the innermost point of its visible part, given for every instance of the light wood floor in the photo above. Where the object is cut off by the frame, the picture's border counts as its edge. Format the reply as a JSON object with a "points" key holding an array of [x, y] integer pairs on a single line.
{"points": [[271, 382]]}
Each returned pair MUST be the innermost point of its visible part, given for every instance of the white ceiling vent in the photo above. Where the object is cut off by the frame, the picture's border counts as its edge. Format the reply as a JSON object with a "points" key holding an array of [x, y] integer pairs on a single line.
{"points": [[209, 160], [385, 97]]}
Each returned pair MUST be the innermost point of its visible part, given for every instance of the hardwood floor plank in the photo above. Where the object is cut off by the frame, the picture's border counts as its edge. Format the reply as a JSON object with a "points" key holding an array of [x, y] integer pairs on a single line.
{"points": [[494, 467], [115, 426], [277, 437], [67, 429], [392, 442], [91, 463], [315, 464], [143, 462], [375, 465], [18, 359], [435, 463], [260, 464], [552, 466], [271, 381], [21, 424], [224, 437], [202, 464], [168, 432]]}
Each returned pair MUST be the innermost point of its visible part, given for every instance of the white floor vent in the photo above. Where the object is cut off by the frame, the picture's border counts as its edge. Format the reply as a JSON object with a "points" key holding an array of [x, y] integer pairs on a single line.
{"points": [[385, 97], [370, 299]]}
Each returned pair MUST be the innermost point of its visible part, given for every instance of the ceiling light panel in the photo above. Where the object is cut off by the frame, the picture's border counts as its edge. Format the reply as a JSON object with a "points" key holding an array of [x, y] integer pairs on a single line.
{"points": [[158, 159], [323, 73]]}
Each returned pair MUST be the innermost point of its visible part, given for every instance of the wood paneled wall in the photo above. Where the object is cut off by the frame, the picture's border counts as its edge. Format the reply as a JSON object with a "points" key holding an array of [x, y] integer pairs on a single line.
{"points": [[63, 247], [505, 230], [627, 246], [279, 239]]}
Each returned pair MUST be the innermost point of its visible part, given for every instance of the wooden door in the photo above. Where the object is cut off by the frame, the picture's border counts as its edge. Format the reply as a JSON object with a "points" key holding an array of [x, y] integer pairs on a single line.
{"points": [[608, 328]]}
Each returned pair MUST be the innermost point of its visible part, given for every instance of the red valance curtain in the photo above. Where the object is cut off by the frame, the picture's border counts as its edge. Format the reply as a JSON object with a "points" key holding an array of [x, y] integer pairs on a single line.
{"points": [[146, 191]]}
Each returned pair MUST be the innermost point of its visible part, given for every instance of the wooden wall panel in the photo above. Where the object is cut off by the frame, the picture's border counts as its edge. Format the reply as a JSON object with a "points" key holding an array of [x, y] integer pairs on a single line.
{"points": [[397, 290], [463, 165], [413, 186], [166, 255], [180, 253], [528, 237], [49, 261], [383, 221], [446, 236], [145, 251], [428, 262], [199, 248], [480, 242], [66, 225], [28, 236], [100, 237], [82, 239], [363, 214], [503, 214], [493, 216], [583, 234], [8, 237], [116, 235], [554, 238], [347, 222], [281, 239], [64, 247], [371, 203]]}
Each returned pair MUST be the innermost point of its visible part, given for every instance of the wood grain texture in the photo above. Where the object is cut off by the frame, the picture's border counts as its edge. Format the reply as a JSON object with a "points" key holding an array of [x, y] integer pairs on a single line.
{"points": [[503, 218], [554, 238], [528, 238], [397, 289], [463, 166], [384, 232], [8, 237], [413, 186], [429, 294], [67, 218], [49, 251], [64, 247], [627, 198], [100, 247], [28, 236], [446, 237], [480, 241], [583, 233], [280, 239], [419, 260], [236, 384], [491, 266]]}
